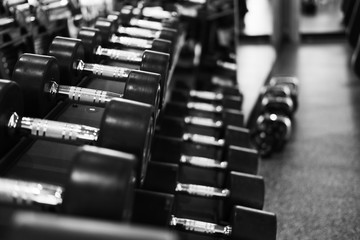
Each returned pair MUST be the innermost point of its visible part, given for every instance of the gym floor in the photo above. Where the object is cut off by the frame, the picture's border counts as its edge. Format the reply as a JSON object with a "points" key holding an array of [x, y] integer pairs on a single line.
{"points": [[314, 184]]}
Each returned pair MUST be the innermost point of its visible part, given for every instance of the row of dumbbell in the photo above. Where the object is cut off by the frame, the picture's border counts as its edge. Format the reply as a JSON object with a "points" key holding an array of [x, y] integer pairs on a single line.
{"points": [[25, 61], [273, 126]]}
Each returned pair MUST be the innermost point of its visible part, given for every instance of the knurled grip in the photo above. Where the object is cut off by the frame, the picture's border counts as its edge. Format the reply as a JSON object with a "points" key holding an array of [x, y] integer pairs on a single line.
{"points": [[146, 24], [108, 72], [199, 226], [203, 162], [86, 95], [121, 55], [203, 191], [139, 32], [131, 42], [59, 130]]}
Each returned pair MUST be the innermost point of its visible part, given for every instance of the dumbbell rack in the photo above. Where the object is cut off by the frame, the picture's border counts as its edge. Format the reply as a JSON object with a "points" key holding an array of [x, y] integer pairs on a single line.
{"points": [[24, 154]]}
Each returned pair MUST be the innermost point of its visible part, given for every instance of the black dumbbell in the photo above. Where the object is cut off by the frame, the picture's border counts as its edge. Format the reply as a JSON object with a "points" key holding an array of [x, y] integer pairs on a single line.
{"points": [[34, 225], [108, 39], [69, 53], [125, 126], [151, 61], [131, 17], [223, 99], [205, 110], [100, 185], [43, 83], [230, 158], [156, 13], [110, 26], [239, 188], [292, 83], [203, 128], [245, 223]]}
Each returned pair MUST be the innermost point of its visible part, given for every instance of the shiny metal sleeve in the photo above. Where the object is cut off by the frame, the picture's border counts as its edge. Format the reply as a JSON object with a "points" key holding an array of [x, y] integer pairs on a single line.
{"points": [[120, 55], [59, 130], [139, 32], [203, 162], [203, 191], [200, 226], [86, 95], [104, 71], [204, 107], [202, 139], [146, 24], [206, 95], [131, 42], [29, 193]]}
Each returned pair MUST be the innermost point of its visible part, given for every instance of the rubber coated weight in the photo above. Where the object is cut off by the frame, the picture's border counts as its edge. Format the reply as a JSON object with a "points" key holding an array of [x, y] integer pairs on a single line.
{"points": [[35, 226], [251, 224], [32, 72], [91, 38], [143, 87], [133, 133], [106, 28], [162, 45], [67, 51], [157, 62], [10, 101], [152, 208], [100, 184]]}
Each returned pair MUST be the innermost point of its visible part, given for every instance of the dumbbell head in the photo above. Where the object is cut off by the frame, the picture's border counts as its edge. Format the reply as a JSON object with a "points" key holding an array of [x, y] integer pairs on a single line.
{"points": [[101, 184], [106, 28], [162, 45], [33, 73], [161, 177], [35, 225], [248, 223], [143, 87], [245, 190], [67, 51], [91, 38], [128, 126], [157, 62], [152, 208], [166, 149], [10, 101], [277, 105]]}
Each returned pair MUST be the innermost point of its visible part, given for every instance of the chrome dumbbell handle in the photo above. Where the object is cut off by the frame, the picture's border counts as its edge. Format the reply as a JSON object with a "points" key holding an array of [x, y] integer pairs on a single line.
{"points": [[204, 122], [157, 13], [206, 95], [54, 129], [202, 139], [120, 55], [204, 107], [146, 24], [82, 95], [203, 162], [29, 193], [139, 32], [131, 42], [203, 191], [200, 226], [103, 71]]}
